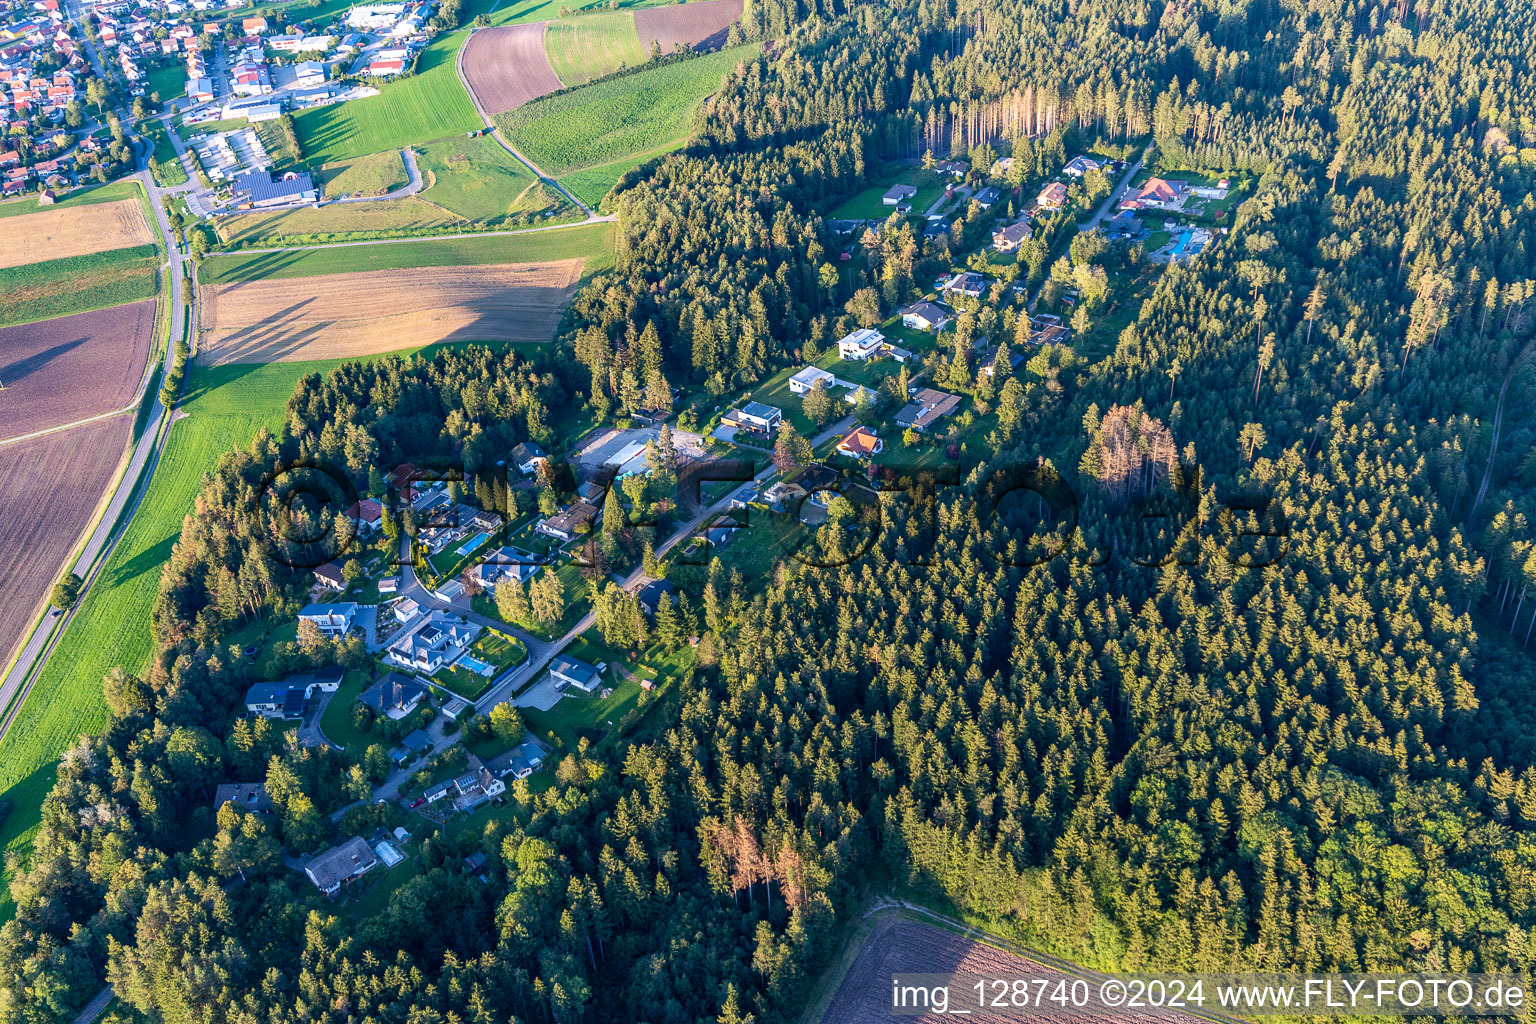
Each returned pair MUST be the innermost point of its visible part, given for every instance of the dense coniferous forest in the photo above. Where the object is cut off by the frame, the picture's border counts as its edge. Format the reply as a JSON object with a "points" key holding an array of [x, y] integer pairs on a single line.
{"points": [[1200, 749]]}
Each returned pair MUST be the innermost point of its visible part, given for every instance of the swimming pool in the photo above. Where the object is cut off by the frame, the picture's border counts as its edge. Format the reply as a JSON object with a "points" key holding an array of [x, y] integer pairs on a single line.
{"points": [[1184, 237], [473, 544], [477, 666]]}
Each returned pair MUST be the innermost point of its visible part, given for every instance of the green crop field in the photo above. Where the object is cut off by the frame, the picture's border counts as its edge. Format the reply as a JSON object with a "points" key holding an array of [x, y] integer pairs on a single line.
{"points": [[339, 222], [431, 104], [77, 284], [594, 242], [591, 46], [474, 178], [371, 175], [600, 127], [225, 407], [520, 12]]}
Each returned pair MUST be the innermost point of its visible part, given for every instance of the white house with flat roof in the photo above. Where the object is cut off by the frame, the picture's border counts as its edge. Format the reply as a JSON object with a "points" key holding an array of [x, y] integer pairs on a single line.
{"points": [[807, 378], [863, 344]]}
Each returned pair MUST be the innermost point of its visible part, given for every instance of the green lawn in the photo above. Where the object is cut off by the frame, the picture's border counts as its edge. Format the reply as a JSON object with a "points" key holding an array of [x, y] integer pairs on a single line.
{"points": [[77, 284], [109, 193], [168, 169], [225, 407], [430, 104], [593, 242], [170, 82], [869, 204], [336, 723], [616, 120], [338, 222], [476, 179], [492, 646], [601, 719], [577, 603], [364, 175], [593, 45]]}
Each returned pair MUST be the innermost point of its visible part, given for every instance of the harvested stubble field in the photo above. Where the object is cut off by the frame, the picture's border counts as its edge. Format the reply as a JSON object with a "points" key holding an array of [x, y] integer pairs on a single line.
{"points": [[705, 26], [506, 67], [351, 315], [72, 231], [900, 946], [67, 369], [49, 487]]}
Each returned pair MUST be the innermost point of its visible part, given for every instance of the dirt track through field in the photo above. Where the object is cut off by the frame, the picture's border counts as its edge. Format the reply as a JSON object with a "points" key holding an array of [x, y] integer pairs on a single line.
{"points": [[704, 25], [911, 947], [48, 489], [72, 367], [341, 316], [72, 231], [506, 66]]}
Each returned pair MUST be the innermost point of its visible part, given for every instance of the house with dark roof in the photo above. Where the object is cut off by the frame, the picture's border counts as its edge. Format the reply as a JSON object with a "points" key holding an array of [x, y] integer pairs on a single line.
{"points": [[1081, 165], [246, 796], [924, 316], [926, 408], [568, 671], [527, 457], [649, 597], [987, 197], [275, 700], [1009, 238], [394, 695], [341, 864], [329, 576], [898, 194]]}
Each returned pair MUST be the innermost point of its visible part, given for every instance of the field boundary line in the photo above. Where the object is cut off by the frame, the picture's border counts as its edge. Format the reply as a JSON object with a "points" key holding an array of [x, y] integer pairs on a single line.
{"points": [[256, 249]]}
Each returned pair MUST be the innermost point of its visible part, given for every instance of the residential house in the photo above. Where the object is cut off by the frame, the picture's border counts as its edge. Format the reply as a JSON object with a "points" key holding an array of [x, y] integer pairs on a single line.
{"points": [[253, 26], [755, 418], [502, 566], [897, 194], [519, 762], [393, 696], [987, 197], [924, 316], [329, 576], [807, 378], [332, 619], [1053, 196], [989, 357], [275, 700], [956, 169], [1081, 165], [926, 407], [570, 521], [1011, 237], [246, 796], [966, 283], [864, 344], [1157, 194], [368, 514], [415, 744], [435, 640], [340, 865], [649, 597], [528, 457], [476, 787], [567, 671], [861, 443]]}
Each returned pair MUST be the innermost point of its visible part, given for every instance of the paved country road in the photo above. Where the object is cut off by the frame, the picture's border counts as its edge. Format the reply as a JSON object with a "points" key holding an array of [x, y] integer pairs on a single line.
{"points": [[134, 482]]}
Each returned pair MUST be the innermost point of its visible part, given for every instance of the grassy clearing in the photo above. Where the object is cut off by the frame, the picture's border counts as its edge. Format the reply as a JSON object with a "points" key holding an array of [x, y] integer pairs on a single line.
{"points": [[337, 722], [591, 184], [168, 169], [869, 205], [619, 118], [77, 284], [474, 178], [588, 47], [170, 82], [594, 242], [225, 407], [371, 175], [431, 104]]}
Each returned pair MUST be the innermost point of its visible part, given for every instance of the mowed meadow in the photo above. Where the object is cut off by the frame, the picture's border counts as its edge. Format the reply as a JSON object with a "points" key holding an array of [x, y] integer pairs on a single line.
{"points": [[589, 137]]}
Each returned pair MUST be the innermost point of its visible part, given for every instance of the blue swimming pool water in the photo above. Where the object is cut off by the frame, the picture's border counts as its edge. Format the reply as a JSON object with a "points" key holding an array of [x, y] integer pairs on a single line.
{"points": [[1178, 250], [474, 664], [473, 544]]}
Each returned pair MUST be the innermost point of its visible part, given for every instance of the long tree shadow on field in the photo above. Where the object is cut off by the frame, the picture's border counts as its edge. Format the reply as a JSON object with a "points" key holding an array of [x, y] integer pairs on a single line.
{"points": [[21, 369], [150, 559]]}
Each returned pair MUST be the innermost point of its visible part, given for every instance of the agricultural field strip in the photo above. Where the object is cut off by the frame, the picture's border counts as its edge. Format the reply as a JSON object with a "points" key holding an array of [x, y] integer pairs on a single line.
{"points": [[350, 315], [73, 231]]}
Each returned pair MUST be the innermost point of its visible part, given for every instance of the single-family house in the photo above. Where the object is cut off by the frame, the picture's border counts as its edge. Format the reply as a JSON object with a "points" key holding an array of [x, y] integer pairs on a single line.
{"points": [[1011, 237], [528, 457], [368, 514], [861, 443], [863, 344], [898, 194], [757, 418], [436, 639], [503, 566], [332, 619], [968, 283], [1053, 196], [649, 597], [246, 796], [987, 197], [341, 864], [926, 407], [924, 316], [1081, 165], [1157, 193], [570, 521], [519, 762], [275, 700], [329, 576], [567, 671], [808, 377], [393, 696]]}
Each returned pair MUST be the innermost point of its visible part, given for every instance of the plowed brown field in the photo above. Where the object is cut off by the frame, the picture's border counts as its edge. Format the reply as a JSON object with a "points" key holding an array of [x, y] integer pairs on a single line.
{"points": [[48, 489], [72, 231], [72, 367], [703, 25], [911, 947], [506, 66], [340, 316]]}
